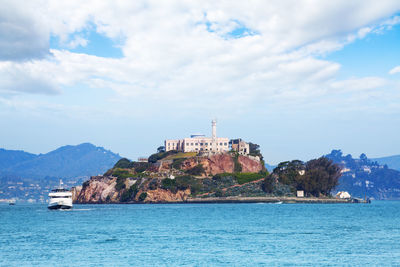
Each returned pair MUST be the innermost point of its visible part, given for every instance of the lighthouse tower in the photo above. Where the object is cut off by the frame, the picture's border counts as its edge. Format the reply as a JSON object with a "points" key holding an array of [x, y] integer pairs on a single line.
{"points": [[214, 135]]}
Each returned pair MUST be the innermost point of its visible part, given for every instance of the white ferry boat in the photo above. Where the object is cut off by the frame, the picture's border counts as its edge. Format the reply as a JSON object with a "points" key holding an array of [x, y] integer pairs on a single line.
{"points": [[60, 198]]}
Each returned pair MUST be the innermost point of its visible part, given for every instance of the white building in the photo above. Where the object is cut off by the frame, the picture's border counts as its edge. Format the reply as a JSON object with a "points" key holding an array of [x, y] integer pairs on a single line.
{"points": [[343, 194], [199, 143]]}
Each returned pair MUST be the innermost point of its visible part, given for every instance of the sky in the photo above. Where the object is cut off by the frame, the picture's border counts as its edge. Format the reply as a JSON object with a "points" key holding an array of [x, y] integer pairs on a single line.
{"points": [[299, 78]]}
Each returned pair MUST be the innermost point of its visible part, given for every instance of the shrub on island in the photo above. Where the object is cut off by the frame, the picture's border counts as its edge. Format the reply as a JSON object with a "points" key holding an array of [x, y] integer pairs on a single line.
{"points": [[196, 170], [243, 178], [142, 196], [129, 194]]}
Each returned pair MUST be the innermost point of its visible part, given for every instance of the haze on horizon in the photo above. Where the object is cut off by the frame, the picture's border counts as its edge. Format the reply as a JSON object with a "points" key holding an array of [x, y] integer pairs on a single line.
{"points": [[299, 78]]}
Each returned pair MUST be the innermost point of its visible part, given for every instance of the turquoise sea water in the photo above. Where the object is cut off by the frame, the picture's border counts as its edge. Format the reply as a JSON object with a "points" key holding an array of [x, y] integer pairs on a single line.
{"points": [[201, 235]]}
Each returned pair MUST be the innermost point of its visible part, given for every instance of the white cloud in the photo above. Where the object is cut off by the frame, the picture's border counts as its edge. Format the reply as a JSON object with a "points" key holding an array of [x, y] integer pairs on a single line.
{"points": [[395, 70], [180, 52], [23, 35], [77, 41], [28, 77], [359, 84]]}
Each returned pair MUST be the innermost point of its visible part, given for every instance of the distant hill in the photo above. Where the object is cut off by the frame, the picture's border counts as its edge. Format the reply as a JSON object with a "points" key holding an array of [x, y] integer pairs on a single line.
{"points": [[269, 167], [366, 177], [65, 162], [29, 177], [393, 162], [12, 157]]}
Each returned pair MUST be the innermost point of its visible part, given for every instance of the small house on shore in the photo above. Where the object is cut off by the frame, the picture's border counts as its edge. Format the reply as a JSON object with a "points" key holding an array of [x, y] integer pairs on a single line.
{"points": [[343, 195]]}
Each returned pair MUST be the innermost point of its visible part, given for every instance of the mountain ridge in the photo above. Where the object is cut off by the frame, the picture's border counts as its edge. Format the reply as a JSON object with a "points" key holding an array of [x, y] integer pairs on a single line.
{"points": [[392, 162], [66, 161]]}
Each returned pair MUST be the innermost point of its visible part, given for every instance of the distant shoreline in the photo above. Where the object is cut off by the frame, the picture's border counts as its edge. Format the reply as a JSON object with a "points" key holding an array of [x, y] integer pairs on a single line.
{"points": [[283, 200]]}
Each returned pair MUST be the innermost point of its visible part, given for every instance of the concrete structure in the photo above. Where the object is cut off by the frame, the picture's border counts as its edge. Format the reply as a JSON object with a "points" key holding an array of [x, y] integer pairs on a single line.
{"points": [[300, 193], [199, 143], [143, 159], [239, 146]]}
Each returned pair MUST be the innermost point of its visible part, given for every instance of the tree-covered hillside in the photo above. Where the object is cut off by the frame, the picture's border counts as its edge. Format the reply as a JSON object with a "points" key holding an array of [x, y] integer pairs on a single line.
{"points": [[364, 177]]}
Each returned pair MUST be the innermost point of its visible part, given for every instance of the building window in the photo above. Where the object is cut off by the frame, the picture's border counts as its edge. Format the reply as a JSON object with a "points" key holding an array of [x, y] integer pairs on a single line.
{"points": [[201, 144], [206, 144], [201, 148], [192, 144], [197, 148], [197, 144], [226, 144], [220, 144]]}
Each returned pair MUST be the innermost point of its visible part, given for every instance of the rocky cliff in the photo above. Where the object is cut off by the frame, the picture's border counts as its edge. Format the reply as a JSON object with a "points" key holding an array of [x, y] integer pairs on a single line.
{"points": [[102, 189], [171, 180], [222, 163]]}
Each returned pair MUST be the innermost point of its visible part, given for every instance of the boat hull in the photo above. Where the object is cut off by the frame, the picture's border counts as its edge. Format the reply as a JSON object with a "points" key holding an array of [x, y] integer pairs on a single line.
{"points": [[59, 207]]}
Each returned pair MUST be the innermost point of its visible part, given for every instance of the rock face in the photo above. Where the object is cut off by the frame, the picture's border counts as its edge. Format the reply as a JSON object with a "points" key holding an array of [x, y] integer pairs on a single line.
{"points": [[160, 195], [96, 190], [250, 165], [222, 163], [101, 189]]}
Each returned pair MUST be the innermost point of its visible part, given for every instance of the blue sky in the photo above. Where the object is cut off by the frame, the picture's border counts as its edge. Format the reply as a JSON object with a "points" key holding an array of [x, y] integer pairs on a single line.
{"points": [[289, 76]]}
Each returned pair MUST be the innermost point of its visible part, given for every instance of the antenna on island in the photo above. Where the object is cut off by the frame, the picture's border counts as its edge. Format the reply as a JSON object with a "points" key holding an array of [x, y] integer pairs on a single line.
{"points": [[214, 135]]}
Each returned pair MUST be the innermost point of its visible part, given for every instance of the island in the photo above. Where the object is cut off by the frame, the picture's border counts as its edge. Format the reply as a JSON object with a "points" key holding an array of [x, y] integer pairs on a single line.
{"points": [[213, 169]]}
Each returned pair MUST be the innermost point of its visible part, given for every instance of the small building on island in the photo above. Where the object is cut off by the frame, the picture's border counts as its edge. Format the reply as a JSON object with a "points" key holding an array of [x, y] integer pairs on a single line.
{"points": [[343, 195], [240, 146]]}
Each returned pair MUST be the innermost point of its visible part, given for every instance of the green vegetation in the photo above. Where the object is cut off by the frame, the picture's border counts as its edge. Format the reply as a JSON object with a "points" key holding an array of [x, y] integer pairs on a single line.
{"points": [[153, 184], [169, 184], [120, 184], [219, 193], [289, 172], [86, 183], [255, 150], [243, 178], [182, 183], [321, 176], [142, 196], [177, 163], [123, 163], [127, 164], [140, 166], [180, 155], [237, 166], [196, 170], [268, 185], [129, 194], [220, 176], [160, 155], [316, 177], [123, 174]]}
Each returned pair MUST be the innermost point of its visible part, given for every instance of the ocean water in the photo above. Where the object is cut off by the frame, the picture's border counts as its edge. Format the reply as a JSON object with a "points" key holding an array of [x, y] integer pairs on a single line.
{"points": [[202, 235]]}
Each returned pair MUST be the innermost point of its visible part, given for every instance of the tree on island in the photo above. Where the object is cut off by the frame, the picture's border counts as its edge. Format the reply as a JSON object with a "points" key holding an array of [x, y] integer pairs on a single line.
{"points": [[316, 177], [255, 150], [321, 177], [289, 172]]}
